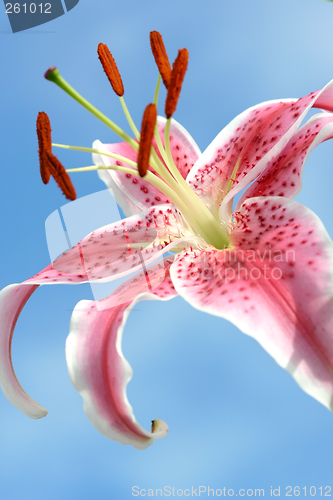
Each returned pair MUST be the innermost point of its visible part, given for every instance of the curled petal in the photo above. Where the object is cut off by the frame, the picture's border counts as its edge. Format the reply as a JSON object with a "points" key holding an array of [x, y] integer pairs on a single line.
{"points": [[275, 284], [291, 118], [135, 194], [96, 363], [243, 149], [106, 254], [325, 99], [283, 176], [12, 301]]}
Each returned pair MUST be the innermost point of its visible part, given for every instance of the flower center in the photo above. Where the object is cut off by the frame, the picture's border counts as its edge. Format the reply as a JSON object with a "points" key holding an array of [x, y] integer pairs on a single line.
{"points": [[165, 175]]}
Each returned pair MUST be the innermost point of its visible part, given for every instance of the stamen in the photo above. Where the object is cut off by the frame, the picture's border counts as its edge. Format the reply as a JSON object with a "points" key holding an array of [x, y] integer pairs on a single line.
{"points": [[161, 57], [178, 72], [60, 175], [110, 68], [44, 143], [147, 134]]}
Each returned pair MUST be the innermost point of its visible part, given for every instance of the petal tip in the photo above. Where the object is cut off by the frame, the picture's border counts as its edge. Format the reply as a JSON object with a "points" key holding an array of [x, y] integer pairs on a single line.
{"points": [[159, 429]]}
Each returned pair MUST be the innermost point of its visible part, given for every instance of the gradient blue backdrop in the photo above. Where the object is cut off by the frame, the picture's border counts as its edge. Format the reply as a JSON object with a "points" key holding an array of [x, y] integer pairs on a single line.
{"points": [[236, 419]]}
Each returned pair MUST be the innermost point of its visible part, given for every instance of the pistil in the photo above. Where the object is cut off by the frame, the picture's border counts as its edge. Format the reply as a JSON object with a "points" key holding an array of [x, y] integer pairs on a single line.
{"points": [[53, 75]]}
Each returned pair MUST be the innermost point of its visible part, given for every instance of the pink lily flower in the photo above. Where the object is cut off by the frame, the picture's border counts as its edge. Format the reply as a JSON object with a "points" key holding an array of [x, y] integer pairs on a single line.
{"points": [[266, 266]]}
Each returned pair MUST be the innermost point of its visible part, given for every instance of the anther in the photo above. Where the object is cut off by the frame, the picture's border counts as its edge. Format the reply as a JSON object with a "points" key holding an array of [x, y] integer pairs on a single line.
{"points": [[110, 68], [45, 144], [60, 176], [177, 76], [161, 57], [146, 139]]}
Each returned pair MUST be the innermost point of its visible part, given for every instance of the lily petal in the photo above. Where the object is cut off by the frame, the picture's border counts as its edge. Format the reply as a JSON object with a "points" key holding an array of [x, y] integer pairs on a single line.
{"points": [[133, 193], [118, 249], [12, 301], [283, 176], [244, 147], [110, 252], [97, 367], [275, 285]]}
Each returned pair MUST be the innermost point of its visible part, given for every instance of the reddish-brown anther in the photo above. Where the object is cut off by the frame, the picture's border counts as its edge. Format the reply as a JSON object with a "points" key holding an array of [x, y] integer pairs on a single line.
{"points": [[111, 69], [161, 57], [45, 144], [146, 139], [177, 76], [60, 175]]}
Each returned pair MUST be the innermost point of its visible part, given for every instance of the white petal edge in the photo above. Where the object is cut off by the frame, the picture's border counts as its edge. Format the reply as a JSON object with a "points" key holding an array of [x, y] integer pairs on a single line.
{"points": [[12, 301], [138, 437]]}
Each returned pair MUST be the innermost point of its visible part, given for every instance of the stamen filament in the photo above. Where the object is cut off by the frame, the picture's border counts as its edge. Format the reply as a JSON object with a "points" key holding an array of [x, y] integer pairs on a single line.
{"points": [[157, 90], [160, 145], [171, 164], [98, 151], [156, 131], [129, 118]]}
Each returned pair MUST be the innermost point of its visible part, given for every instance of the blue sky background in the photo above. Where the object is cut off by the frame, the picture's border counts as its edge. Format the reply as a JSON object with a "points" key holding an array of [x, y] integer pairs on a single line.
{"points": [[236, 419]]}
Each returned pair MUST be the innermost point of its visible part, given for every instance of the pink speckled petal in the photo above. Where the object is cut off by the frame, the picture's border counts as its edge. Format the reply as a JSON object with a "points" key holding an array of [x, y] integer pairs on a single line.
{"points": [[118, 249], [291, 118], [325, 100], [96, 364], [106, 254], [283, 176], [12, 301], [133, 193], [242, 149], [275, 285], [237, 142]]}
